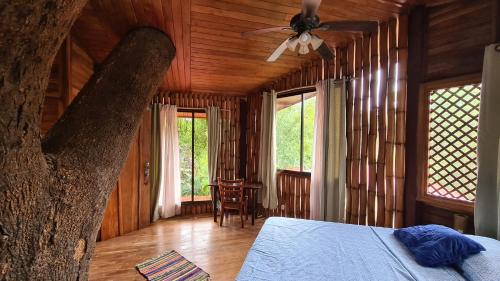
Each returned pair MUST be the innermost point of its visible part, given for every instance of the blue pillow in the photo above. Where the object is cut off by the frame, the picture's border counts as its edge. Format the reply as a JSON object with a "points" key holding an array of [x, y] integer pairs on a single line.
{"points": [[436, 245]]}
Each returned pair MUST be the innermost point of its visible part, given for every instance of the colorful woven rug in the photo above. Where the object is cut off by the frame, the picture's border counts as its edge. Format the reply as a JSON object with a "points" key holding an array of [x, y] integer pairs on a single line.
{"points": [[171, 266]]}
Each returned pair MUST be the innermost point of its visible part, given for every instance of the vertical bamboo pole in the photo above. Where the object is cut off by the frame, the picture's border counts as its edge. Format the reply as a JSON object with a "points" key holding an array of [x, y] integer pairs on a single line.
{"points": [[391, 124], [338, 57], [297, 197], [372, 134], [401, 118], [382, 126], [308, 197], [232, 137], [365, 111], [303, 198], [238, 138], [227, 134], [356, 137], [349, 132]]}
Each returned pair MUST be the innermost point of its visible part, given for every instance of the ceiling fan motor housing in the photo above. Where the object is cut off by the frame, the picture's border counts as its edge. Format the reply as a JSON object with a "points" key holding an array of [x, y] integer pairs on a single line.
{"points": [[300, 24]]}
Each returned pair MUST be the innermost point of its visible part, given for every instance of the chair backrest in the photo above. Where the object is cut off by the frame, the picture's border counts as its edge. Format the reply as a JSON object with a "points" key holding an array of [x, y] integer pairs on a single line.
{"points": [[230, 181], [230, 190]]}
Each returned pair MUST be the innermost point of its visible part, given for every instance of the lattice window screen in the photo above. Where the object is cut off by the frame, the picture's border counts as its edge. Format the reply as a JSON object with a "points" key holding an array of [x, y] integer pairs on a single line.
{"points": [[452, 171]]}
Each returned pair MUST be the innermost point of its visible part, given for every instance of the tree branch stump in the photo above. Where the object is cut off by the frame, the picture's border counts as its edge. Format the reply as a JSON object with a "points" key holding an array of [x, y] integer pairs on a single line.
{"points": [[54, 192]]}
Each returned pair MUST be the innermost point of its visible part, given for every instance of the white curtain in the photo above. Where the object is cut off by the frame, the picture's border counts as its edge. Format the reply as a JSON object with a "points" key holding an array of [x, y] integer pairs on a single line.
{"points": [[487, 209], [329, 152], [214, 131], [267, 152], [170, 190]]}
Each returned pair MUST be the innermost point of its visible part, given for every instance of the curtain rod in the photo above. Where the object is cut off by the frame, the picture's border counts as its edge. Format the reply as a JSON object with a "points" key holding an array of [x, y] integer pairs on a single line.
{"points": [[193, 108], [199, 108], [312, 88]]}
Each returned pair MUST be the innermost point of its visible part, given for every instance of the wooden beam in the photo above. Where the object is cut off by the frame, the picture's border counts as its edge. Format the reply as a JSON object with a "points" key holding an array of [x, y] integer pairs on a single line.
{"points": [[417, 30]]}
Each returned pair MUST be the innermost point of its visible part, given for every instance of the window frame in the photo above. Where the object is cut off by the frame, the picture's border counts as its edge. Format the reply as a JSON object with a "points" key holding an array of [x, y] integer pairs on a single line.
{"points": [[295, 92], [192, 111], [422, 150]]}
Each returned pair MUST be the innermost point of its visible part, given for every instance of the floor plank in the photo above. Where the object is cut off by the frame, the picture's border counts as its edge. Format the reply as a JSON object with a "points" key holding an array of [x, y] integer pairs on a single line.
{"points": [[220, 251]]}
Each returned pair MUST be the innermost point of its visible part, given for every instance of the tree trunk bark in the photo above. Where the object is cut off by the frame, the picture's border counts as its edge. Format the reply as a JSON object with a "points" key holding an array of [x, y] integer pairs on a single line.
{"points": [[53, 194]]}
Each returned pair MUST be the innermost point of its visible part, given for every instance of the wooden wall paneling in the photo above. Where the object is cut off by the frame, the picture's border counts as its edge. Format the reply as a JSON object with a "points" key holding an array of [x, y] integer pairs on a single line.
{"points": [[456, 37], [65, 74], [128, 194], [111, 221], [402, 54], [82, 68], [356, 133], [365, 112], [349, 63], [56, 95], [372, 134], [383, 47], [391, 124]]}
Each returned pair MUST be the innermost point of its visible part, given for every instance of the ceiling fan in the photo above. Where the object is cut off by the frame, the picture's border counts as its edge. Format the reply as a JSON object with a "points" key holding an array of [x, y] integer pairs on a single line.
{"points": [[305, 22]]}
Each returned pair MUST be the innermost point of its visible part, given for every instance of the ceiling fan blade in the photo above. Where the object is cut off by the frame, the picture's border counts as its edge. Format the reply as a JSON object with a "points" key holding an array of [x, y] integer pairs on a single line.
{"points": [[363, 26], [277, 53], [310, 7], [265, 30], [325, 52]]}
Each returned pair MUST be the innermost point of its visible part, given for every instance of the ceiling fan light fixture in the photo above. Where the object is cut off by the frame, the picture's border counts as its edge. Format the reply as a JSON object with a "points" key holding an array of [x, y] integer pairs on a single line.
{"points": [[316, 42], [304, 38], [303, 50]]}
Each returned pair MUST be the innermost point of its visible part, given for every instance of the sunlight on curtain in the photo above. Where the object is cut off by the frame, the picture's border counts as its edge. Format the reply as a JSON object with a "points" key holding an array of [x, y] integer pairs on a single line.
{"points": [[214, 131], [329, 156], [170, 191], [267, 152], [487, 208]]}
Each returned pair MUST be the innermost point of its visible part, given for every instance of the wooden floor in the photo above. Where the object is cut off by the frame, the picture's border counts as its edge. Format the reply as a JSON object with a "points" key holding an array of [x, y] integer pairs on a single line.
{"points": [[220, 251]]}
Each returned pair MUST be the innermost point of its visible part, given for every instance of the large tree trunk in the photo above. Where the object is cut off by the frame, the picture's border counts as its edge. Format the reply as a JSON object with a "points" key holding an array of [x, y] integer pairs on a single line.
{"points": [[52, 196]]}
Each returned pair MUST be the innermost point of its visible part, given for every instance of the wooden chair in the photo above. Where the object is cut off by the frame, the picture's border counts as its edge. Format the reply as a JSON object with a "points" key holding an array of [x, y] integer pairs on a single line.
{"points": [[232, 197]]}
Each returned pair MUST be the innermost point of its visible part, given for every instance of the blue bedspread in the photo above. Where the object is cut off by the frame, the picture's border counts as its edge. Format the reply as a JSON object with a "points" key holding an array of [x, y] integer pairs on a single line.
{"points": [[292, 249]]}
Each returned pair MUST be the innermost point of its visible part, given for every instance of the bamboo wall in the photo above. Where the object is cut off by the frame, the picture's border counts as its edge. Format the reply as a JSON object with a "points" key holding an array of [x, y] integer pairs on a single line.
{"points": [[253, 137], [376, 117]]}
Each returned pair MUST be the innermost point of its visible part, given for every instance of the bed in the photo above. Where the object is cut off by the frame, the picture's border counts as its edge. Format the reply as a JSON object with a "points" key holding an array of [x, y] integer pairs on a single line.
{"points": [[293, 249]]}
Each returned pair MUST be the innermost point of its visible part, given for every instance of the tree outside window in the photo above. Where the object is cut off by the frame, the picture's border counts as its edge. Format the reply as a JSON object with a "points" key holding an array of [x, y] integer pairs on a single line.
{"points": [[295, 131]]}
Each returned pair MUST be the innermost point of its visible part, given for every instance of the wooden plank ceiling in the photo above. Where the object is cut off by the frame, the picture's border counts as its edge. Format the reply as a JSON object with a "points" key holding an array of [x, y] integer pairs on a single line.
{"points": [[211, 54]]}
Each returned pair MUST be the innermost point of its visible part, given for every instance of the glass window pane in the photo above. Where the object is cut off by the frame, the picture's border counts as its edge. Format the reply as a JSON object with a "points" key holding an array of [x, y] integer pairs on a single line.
{"points": [[201, 189], [185, 136], [309, 111], [288, 133]]}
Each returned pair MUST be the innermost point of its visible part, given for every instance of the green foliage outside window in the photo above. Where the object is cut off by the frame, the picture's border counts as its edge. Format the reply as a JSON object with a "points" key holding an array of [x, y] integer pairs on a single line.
{"points": [[200, 169], [288, 136]]}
